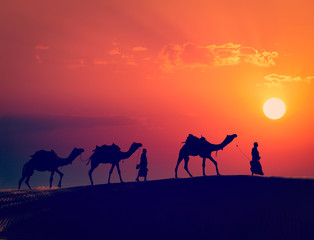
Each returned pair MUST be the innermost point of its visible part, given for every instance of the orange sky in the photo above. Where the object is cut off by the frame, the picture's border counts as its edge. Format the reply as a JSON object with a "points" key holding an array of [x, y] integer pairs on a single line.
{"points": [[78, 73]]}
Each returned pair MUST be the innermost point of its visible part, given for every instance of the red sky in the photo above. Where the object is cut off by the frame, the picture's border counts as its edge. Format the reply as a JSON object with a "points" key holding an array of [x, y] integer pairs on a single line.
{"points": [[81, 73]]}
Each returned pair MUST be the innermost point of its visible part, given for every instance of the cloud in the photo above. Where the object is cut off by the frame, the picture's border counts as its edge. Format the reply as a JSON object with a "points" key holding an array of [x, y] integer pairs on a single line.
{"points": [[191, 55], [115, 51], [129, 60], [139, 48], [38, 58], [38, 123], [309, 79], [276, 80], [100, 62], [41, 47], [114, 43], [82, 63]]}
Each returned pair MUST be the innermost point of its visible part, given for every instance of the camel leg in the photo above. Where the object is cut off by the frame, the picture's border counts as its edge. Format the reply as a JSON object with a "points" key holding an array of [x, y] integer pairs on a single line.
{"points": [[26, 173], [61, 176], [110, 172], [51, 178], [27, 182], [203, 165], [118, 168], [21, 180], [93, 166], [178, 163], [215, 165], [186, 162]]}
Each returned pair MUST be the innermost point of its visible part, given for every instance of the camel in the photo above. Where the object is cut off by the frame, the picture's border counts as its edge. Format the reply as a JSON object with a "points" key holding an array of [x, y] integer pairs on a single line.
{"points": [[200, 147], [110, 154], [47, 161]]}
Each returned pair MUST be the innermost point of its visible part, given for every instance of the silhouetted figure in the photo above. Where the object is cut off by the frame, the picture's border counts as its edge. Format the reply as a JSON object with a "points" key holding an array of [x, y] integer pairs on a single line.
{"points": [[195, 146], [256, 167], [110, 154], [142, 172], [47, 161]]}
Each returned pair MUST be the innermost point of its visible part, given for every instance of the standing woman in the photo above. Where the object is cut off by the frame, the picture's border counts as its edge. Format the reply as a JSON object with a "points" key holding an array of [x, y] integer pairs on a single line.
{"points": [[142, 166], [256, 167]]}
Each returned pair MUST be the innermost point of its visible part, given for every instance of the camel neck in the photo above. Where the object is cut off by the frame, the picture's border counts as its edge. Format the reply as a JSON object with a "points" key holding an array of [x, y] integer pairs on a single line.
{"points": [[69, 159], [224, 143], [125, 155]]}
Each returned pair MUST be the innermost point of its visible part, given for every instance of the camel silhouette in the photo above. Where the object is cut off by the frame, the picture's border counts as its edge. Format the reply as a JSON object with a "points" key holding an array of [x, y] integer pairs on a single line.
{"points": [[110, 154], [194, 146], [47, 161]]}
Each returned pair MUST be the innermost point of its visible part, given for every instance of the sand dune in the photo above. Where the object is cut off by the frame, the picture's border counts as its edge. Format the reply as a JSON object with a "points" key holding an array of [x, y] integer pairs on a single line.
{"points": [[225, 207]]}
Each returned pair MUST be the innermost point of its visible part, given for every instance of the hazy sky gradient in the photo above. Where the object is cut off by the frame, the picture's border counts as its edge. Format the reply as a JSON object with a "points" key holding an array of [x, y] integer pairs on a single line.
{"points": [[86, 73]]}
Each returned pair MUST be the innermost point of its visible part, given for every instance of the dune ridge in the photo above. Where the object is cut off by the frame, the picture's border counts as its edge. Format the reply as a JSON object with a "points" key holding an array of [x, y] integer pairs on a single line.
{"points": [[213, 207]]}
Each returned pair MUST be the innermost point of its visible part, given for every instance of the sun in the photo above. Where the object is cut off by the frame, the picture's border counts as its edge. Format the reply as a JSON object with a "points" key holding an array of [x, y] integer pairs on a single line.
{"points": [[274, 108]]}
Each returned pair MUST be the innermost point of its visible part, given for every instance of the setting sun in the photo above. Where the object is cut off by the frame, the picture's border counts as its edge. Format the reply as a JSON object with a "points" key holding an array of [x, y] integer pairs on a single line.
{"points": [[274, 108]]}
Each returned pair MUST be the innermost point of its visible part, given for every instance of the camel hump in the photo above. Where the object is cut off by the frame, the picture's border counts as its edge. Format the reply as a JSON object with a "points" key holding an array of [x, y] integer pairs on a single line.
{"points": [[43, 154], [191, 139], [103, 147], [107, 148]]}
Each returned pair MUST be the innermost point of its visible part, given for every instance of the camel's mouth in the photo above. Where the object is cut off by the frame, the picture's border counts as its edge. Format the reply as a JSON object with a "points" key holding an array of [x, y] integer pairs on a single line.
{"points": [[232, 136], [81, 151], [138, 144]]}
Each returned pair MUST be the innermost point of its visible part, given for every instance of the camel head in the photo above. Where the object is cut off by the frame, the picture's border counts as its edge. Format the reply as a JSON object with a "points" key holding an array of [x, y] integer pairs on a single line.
{"points": [[75, 153], [231, 137], [136, 145]]}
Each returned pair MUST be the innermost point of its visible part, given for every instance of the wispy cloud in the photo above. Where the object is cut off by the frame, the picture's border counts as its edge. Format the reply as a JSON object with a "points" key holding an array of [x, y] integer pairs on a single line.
{"points": [[41, 47], [38, 58], [114, 43], [125, 55], [191, 55], [139, 48], [129, 60], [276, 80], [80, 64], [101, 62], [115, 51], [186, 56]]}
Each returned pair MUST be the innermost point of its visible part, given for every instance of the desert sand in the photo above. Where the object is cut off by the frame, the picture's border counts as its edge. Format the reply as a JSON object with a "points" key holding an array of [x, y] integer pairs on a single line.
{"points": [[213, 207]]}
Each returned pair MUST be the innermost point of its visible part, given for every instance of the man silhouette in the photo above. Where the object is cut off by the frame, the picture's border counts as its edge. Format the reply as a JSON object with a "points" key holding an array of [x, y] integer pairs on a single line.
{"points": [[256, 167], [142, 166]]}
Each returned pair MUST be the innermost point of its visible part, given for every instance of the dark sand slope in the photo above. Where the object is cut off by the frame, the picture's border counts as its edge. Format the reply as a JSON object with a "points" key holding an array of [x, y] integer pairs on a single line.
{"points": [[225, 207]]}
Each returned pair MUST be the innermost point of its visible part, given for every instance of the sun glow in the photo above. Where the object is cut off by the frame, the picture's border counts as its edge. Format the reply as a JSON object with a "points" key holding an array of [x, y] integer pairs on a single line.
{"points": [[274, 108]]}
